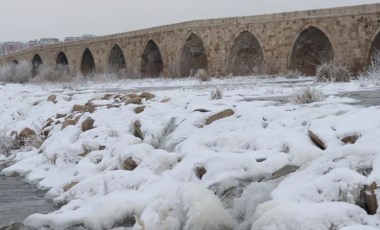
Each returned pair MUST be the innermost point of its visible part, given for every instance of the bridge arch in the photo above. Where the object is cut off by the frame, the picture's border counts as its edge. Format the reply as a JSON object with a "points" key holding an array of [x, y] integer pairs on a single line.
{"points": [[36, 64], [311, 47], [61, 62], [116, 60], [193, 55], [87, 66], [374, 48], [152, 64], [245, 56]]}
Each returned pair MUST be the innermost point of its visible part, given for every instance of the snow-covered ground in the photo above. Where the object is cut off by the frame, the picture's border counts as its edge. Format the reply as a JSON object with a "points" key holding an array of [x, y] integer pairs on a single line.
{"points": [[170, 167]]}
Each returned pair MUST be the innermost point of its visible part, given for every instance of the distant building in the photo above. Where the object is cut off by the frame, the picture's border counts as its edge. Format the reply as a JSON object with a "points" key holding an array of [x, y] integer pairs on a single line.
{"points": [[85, 36], [10, 47]]}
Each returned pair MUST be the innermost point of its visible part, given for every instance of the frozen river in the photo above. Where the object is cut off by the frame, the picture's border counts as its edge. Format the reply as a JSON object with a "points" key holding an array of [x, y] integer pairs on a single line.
{"points": [[18, 200]]}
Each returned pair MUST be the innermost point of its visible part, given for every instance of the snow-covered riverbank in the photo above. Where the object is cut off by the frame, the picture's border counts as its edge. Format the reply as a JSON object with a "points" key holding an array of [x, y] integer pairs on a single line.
{"points": [[180, 160]]}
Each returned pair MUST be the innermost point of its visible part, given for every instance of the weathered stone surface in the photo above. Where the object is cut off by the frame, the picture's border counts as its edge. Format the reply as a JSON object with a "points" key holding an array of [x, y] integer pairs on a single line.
{"points": [[165, 100], [200, 171], [129, 164], [221, 115], [317, 140], [147, 95], [287, 169], [201, 110], [133, 100], [350, 139], [69, 186], [370, 198], [52, 98], [80, 108], [59, 115], [139, 109], [87, 124], [27, 136], [137, 130], [68, 122]]}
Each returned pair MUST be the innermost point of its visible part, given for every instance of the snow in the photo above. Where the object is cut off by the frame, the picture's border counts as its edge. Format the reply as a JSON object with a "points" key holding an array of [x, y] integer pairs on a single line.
{"points": [[243, 155]]}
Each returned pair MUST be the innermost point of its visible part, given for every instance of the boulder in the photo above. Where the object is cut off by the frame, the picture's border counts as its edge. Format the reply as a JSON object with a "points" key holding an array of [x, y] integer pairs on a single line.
{"points": [[350, 139], [133, 100], [129, 164], [102, 147], [88, 124], [139, 109], [317, 140], [137, 130], [165, 100], [69, 186], [220, 115], [147, 95], [91, 107], [370, 198], [200, 171], [52, 98], [68, 122], [60, 115], [27, 136], [287, 169], [80, 108]]}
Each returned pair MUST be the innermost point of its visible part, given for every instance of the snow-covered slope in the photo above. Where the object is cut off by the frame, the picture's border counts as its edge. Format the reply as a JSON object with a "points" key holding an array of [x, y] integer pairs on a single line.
{"points": [[167, 165]]}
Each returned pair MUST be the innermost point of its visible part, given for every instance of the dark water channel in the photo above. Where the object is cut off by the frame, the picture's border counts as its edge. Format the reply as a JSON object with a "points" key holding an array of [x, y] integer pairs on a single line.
{"points": [[19, 199]]}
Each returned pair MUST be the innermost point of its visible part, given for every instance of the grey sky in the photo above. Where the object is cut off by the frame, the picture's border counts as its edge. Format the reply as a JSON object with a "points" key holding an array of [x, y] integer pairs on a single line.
{"points": [[24, 20]]}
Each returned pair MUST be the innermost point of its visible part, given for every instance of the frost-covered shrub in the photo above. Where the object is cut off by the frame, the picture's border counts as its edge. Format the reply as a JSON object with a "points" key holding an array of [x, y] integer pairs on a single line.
{"points": [[20, 73], [373, 70], [7, 143], [52, 74], [307, 95], [332, 72], [201, 74], [216, 94]]}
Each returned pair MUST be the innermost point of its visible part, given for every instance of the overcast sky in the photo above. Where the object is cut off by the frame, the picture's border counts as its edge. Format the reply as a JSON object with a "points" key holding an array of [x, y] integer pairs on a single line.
{"points": [[23, 20]]}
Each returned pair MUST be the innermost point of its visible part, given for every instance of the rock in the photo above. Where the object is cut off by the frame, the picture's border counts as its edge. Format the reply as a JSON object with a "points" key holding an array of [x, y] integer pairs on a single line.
{"points": [[27, 136], [129, 164], [370, 198], [69, 186], [221, 115], [139, 109], [137, 130], [102, 147], [133, 100], [14, 226], [201, 110], [287, 169], [147, 95], [15, 174], [165, 100], [108, 96], [200, 171], [60, 115], [68, 122], [88, 124], [85, 153], [350, 139], [52, 98], [317, 140], [91, 107], [80, 108], [47, 123]]}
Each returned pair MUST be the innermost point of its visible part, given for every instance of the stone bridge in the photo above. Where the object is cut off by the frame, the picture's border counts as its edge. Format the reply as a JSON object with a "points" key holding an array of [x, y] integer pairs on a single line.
{"points": [[274, 43]]}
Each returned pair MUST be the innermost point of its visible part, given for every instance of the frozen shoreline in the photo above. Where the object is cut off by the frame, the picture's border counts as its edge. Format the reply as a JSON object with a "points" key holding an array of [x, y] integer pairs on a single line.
{"points": [[185, 169]]}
